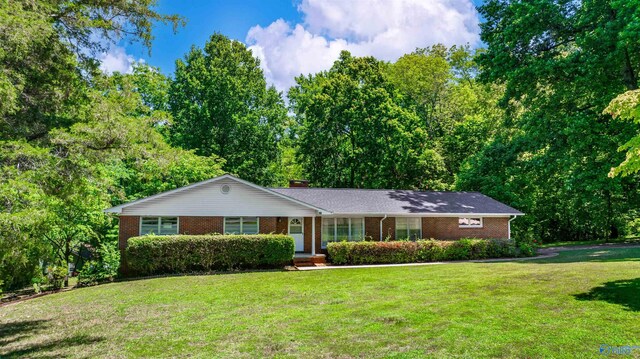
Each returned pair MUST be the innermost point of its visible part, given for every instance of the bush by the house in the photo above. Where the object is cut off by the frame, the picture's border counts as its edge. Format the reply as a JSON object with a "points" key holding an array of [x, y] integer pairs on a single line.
{"points": [[419, 251], [148, 255]]}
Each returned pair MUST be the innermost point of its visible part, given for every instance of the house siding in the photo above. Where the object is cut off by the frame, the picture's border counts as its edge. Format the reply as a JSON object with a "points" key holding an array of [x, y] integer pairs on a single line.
{"points": [[447, 228], [208, 200]]}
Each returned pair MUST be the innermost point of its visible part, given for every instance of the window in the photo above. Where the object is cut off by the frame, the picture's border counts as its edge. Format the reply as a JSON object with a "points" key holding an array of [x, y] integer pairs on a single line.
{"points": [[342, 229], [410, 228], [161, 226], [241, 225], [470, 222]]}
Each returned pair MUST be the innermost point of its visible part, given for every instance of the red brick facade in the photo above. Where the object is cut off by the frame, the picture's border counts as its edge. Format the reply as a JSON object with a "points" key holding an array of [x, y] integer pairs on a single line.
{"points": [[268, 224], [129, 226], [432, 227], [308, 233], [372, 228], [447, 228], [201, 225]]}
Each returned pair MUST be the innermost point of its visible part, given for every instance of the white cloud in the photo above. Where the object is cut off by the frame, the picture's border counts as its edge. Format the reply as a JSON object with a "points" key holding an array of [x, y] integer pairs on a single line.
{"points": [[116, 59], [386, 29]]}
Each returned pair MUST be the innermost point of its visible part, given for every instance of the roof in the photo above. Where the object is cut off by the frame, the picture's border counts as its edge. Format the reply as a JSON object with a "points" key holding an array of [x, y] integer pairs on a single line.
{"points": [[393, 202], [118, 209], [347, 201]]}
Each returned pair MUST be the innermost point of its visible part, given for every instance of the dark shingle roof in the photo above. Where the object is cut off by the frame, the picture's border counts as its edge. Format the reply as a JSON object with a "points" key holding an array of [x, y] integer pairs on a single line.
{"points": [[346, 201]]}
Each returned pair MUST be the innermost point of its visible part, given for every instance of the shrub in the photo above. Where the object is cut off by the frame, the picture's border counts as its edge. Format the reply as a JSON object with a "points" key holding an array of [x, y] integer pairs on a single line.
{"points": [[526, 246], [419, 251], [56, 276], [148, 255], [103, 269]]}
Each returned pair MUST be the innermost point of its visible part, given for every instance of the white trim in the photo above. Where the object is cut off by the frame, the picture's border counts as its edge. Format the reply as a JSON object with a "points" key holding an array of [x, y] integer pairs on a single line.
{"points": [[224, 223], [383, 218], [159, 224], [509, 226], [481, 225], [313, 236], [118, 209]]}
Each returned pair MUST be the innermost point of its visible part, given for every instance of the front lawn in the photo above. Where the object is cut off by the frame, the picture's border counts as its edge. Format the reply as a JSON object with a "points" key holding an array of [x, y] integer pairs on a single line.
{"points": [[566, 306]]}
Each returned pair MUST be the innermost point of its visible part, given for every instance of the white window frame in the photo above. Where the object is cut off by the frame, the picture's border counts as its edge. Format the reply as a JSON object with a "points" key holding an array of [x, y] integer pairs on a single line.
{"points": [[407, 236], [224, 224], [159, 225], [471, 225], [323, 243]]}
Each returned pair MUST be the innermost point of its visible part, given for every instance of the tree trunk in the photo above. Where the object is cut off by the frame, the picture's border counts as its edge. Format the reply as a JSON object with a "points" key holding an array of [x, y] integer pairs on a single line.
{"points": [[67, 254]]}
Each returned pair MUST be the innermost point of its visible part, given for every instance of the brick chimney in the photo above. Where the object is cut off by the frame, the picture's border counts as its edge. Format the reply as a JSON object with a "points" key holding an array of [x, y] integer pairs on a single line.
{"points": [[298, 183]]}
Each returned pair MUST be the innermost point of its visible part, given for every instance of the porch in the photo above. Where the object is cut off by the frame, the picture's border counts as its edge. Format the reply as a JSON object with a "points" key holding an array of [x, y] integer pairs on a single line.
{"points": [[309, 260]]}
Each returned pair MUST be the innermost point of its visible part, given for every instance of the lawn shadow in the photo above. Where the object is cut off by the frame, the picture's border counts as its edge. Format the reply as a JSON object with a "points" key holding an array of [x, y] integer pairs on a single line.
{"points": [[39, 350], [14, 331], [11, 333], [625, 292]]}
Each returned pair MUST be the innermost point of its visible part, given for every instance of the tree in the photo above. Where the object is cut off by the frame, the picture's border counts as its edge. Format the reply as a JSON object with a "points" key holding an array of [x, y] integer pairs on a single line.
{"points": [[561, 63], [459, 114], [47, 51], [221, 106], [353, 132], [627, 107]]}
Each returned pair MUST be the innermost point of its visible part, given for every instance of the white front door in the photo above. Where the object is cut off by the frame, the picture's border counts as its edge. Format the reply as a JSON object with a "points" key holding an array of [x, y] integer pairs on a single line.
{"points": [[296, 230]]}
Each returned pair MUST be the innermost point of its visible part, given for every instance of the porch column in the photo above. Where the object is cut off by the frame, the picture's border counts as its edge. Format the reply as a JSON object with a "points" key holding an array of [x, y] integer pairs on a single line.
{"points": [[313, 235]]}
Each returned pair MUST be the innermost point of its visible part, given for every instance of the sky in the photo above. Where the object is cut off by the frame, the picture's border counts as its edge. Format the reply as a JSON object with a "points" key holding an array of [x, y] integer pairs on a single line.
{"points": [[293, 37]]}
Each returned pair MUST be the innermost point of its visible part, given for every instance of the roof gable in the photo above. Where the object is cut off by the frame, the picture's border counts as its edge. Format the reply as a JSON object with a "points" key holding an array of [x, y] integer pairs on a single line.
{"points": [[203, 197]]}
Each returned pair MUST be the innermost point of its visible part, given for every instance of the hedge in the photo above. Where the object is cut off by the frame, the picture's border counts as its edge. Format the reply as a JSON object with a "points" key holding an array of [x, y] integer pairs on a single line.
{"points": [[419, 251], [147, 255]]}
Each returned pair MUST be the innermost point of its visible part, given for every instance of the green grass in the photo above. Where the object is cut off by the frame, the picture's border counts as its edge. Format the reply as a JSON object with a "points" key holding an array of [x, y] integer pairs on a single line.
{"points": [[622, 240], [566, 306]]}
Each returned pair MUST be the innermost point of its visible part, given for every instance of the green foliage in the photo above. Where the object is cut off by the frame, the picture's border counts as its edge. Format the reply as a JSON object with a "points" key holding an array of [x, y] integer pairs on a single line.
{"points": [[561, 64], [148, 255], [353, 132], [526, 245], [419, 251], [46, 51], [627, 107], [103, 268], [221, 106], [459, 114], [56, 277]]}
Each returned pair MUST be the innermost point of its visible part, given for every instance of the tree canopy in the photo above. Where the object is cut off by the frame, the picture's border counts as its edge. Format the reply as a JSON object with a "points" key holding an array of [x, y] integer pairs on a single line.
{"points": [[545, 119]]}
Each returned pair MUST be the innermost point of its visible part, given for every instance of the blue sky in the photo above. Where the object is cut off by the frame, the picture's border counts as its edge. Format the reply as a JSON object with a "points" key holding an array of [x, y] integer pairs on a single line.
{"points": [[305, 36]]}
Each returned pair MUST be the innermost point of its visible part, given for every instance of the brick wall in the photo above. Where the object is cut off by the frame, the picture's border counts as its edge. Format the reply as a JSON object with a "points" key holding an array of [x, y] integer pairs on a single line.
{"points": [[268, 224], [282, 225], [308, 234], [129, 226], [201, 225], [372, 227], [447, 228]]}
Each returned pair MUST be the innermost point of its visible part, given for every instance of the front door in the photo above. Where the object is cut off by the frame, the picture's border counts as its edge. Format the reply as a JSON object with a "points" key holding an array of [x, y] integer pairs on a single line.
{"points": [[296, 230]]}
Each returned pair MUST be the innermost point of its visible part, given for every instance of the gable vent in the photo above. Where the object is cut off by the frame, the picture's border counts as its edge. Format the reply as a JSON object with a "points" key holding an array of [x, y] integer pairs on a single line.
{"points": [[225, 189]]}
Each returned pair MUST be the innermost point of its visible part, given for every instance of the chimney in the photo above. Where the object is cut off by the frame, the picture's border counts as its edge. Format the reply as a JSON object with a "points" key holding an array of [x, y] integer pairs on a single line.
{"points": [[298, 183]]}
